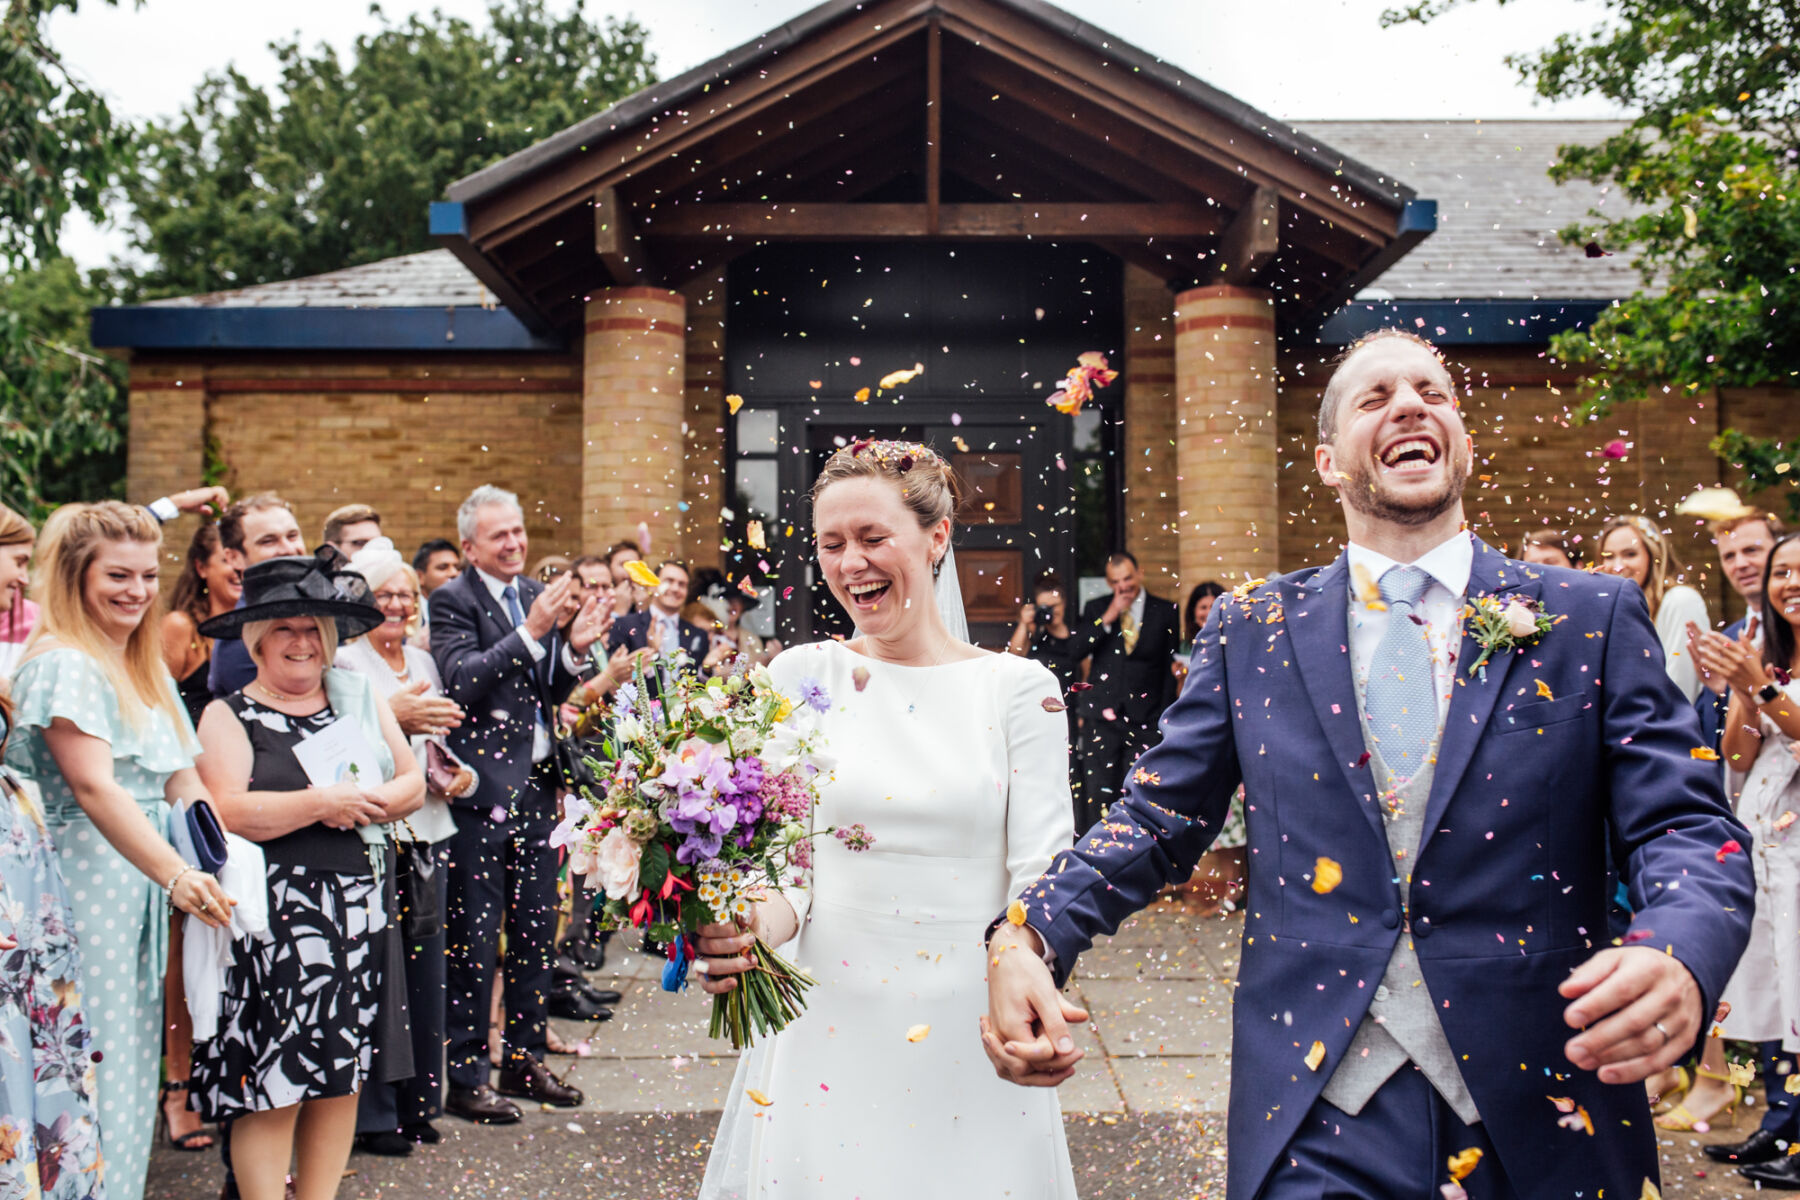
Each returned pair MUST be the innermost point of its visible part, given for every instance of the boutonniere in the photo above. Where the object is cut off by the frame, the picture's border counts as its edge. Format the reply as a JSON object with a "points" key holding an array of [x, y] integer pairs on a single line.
{"points": [[1499, 625]]}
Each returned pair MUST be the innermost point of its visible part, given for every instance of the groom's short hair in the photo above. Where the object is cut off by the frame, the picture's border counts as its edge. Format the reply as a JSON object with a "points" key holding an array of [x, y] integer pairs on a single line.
{"points": [[1328, 403]]}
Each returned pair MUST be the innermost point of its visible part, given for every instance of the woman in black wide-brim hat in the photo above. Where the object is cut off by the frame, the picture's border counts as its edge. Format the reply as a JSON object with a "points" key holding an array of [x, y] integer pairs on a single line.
{"points": [[293, 1047]]}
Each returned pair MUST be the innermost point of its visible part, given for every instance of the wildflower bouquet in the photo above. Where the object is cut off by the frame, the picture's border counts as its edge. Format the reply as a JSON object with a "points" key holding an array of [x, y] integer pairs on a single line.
{"points": [[705, 802]]}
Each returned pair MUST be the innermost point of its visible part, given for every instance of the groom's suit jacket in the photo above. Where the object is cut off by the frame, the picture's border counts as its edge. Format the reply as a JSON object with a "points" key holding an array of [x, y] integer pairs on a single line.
{"points": [[1538, 755]]}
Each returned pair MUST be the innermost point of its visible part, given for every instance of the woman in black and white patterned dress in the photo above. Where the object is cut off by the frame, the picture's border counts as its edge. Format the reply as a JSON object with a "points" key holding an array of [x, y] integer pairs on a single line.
{"points": [[300, 1007]]}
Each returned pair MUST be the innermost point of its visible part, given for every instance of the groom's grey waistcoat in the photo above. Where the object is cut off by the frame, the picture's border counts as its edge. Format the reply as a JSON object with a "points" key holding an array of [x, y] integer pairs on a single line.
{"points": [[1401, 1025]]}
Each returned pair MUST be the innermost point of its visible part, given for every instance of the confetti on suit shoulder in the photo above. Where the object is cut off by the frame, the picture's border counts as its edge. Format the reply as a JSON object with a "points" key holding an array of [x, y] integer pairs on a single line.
{"points": [[860, 677], [1544, 690], [1730, 847], [734, 402], [1052, 704], [1142, 776], [758, 1097], [918, 1033], [1015, 912], [1315, 1056], [641, 574], [1327, 874], [1704, 752]]}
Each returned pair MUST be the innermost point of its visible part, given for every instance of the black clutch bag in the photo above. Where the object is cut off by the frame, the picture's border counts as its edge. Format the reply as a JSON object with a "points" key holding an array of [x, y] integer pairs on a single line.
{"points": [[199, 837]]}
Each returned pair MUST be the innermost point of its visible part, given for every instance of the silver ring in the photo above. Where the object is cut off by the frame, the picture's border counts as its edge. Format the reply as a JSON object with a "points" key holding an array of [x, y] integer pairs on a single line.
{"points": [[1659, 1028]]}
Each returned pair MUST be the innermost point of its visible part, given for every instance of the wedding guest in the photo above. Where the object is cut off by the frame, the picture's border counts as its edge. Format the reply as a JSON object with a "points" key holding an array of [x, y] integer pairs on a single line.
{"points": [[1426, 974], [1130, 637], [733, 641], [435, 562], [1743, 542], [100, 729], [18, 612], [48, 1111], [253, 530], [1633, 548], [350, 528], [1762, 737], [391, 1117], [294, 1043], [492, 630], [1219, 879], [628, 597], [659, 627], [1550, 548], [207, 586]]}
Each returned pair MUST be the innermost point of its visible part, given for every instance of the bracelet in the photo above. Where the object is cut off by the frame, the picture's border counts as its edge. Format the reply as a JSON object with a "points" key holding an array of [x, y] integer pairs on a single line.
{"points": [[169, 887]]}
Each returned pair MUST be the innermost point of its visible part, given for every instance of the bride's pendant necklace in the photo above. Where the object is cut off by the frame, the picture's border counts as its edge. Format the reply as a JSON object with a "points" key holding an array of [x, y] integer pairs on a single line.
{"points": [[913, 704]]}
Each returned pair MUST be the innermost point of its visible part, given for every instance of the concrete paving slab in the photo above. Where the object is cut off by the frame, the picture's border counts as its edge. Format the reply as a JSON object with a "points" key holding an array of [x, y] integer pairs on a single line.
{"points": [[1177, 1016], [1199, 1083], [675, 1084]]}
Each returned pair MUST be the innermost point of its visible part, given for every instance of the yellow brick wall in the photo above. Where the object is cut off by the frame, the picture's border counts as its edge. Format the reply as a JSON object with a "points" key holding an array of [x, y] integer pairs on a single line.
{"points": [[634, 405], [166, 452], [703, 485], [1148, 470]]}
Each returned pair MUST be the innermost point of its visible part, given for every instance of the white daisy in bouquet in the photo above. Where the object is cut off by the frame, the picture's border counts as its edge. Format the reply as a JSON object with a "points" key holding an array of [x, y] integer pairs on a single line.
{"points": [[709, 791]]}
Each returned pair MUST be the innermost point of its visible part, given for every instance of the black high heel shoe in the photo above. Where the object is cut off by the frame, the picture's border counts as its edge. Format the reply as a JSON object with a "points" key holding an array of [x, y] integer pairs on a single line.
{"points": [[194, 1140]]}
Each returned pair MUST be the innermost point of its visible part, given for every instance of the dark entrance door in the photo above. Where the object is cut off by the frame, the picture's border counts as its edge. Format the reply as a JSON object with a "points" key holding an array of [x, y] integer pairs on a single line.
{"points": [[1009, 530]]}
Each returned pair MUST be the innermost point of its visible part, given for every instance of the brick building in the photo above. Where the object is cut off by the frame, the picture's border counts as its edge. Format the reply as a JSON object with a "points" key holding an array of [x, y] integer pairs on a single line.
{"points": [[982, 188]]}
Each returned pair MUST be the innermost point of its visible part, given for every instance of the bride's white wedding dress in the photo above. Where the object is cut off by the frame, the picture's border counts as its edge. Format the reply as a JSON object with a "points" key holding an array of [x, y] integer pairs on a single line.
{"points": [[961, 776]]}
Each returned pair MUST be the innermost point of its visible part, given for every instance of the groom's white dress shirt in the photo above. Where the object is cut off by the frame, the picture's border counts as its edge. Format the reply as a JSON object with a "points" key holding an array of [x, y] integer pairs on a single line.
{"points": [[1448, 563]]}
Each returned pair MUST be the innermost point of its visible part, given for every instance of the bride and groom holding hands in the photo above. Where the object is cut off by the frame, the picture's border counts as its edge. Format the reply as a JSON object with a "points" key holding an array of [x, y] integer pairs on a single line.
{"points": [[1429, 1001]]}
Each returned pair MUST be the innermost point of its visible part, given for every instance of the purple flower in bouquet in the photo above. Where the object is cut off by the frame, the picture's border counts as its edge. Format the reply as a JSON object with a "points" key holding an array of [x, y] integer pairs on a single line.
{"points": [[699, 776], [814, 695], [856, 838], [786, 794], [575, 811], [625, 699]]}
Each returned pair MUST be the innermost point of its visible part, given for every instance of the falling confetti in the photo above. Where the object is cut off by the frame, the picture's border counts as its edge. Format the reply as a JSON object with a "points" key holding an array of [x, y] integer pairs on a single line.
{"points": [[1690, 221], [1015, 912], [1327, 874], [1704, 752], [641, 574], [1077, 387], [734, 402], [1052, 704], [860, 677], [1315, 1056], [862, 395], [1730, 847], [758, 1097], [753, 533], [894, 379], [918, 1033], [1463, 1162], [1543, 690]]}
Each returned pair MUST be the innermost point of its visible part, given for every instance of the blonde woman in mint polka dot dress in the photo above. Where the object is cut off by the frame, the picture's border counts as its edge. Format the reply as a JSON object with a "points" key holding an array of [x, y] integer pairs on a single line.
{"points": [[101, 731]]}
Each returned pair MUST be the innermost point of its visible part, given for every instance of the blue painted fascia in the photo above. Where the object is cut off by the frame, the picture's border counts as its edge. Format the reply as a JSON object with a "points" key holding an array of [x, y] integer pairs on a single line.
{"points": [[1462, 322], [443, 328]]}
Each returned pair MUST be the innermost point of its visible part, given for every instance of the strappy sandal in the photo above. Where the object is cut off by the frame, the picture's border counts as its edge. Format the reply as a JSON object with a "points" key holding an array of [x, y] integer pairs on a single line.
{"points": [[1680, 1120], [194, 1140], [1672, 1096]]}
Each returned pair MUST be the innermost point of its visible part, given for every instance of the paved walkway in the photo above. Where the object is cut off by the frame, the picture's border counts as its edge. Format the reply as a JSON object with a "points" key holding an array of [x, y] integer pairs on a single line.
{"points": [[1145, 1115]]}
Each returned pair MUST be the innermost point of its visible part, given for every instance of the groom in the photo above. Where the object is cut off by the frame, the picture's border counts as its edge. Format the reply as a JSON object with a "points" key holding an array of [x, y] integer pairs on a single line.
{"points": [[1426, 967]]}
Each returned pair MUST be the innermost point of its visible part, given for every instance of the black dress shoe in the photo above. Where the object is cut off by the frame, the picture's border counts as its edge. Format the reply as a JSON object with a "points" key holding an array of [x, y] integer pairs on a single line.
{"points": [[389, 1143], [591, 955], [424, 1133], [603, 996], [1783, 1174], [1760, 1147], [530, 1079], [570, 1005], [481, 1105]]}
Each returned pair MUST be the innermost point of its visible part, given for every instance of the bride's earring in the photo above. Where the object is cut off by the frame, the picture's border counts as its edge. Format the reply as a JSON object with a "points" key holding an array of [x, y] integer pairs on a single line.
{"points": [[937, 568]]}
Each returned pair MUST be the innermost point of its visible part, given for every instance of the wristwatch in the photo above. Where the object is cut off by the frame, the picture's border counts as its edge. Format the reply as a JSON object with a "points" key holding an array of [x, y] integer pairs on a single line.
{"points": [[1768, 693]]}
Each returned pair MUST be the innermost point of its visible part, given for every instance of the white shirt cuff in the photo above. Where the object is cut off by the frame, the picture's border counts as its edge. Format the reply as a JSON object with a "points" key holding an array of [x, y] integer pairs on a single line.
{"points": [[570, 663], [535, 647], [163, 509]]}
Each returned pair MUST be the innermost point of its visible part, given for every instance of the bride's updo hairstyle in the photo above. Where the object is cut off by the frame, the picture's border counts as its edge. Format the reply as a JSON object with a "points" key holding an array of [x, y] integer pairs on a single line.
{"points": [[928, 487]]}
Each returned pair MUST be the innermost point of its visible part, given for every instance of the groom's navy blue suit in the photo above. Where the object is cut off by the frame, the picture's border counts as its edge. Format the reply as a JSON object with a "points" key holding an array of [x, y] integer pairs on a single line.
{"points": [[1509, 884]]}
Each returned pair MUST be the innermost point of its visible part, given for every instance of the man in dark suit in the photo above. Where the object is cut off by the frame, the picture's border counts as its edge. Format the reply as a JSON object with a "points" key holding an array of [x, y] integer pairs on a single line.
{"points": [[1131, 638], [1426, 973], [660, 627], [495, 636]]}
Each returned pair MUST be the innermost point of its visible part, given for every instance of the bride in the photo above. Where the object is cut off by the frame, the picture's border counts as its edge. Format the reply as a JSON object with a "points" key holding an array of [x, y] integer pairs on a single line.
{"points": [[949, 758]]}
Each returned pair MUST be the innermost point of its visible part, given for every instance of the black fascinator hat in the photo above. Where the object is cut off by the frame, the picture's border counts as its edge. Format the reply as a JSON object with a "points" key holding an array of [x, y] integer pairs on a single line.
{"points": [[301, 587]]}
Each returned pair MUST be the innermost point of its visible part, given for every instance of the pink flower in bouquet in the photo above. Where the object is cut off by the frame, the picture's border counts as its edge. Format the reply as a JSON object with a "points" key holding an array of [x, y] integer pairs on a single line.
{"points": [[617, 863]]}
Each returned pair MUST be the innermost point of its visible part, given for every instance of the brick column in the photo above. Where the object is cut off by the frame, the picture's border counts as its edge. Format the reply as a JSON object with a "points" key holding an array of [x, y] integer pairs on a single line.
{"points": [[704, 489], [1226, 445], [633, 379], [1148, 474], [166, 452]]}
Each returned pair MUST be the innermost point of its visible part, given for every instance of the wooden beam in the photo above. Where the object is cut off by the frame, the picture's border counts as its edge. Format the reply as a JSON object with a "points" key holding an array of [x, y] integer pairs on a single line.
{"points": [[1252, 240], [934, 123], [838, 222], [617, 243]]}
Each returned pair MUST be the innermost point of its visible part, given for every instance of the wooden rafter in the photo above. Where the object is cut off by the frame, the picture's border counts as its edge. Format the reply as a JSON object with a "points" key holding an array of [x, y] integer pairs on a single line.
{"points": [[837, 222], [1252, 240], [621, 251], [934, 124]]}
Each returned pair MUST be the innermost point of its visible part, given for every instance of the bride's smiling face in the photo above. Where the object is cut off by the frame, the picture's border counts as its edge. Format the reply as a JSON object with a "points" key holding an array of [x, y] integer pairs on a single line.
{"points": [[876, 559]]}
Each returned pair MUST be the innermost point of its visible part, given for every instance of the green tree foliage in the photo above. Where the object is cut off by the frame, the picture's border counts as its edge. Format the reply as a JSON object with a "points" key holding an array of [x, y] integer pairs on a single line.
{"points": [[1712, 165], [336, 163], [62, 406]]}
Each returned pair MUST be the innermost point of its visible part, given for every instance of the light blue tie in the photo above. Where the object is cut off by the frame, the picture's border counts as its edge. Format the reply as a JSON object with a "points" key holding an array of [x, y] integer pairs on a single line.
{"points": [[1401, 699], [511, 595]]}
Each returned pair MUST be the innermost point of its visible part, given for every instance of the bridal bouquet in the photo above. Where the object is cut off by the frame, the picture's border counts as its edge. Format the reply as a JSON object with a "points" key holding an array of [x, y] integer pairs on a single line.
{"points": [[705, 802]]}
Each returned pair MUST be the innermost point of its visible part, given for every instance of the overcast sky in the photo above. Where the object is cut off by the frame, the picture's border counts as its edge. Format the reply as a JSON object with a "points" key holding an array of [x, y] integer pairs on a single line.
{"points": [[1295, 59]]}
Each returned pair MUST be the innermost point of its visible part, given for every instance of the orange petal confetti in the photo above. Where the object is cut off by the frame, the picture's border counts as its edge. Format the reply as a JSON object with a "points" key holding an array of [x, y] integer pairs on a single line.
{"points": [[1564, 1104], [753, 533], [758, 1097], [817, 385], [1544, 690], [1704, 752], [1650, 1192], [1315, 1056], [1327, 874], [862, 395], [1792, 1086], [860, 677], [1052, 704], [641, 574], [918, 1033], [1015, 912], [894, 379], [734, 402], [1463, 1162], [1781, 824]]}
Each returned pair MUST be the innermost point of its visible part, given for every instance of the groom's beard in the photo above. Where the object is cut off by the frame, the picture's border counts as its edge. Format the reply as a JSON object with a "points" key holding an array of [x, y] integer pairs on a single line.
{"points": [[1368, 494]]}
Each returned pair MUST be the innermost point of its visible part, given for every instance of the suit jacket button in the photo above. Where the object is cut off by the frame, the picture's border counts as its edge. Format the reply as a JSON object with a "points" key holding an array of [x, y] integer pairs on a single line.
{"points": [[1381, 993], [1422, 927], [1390, 918]]}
